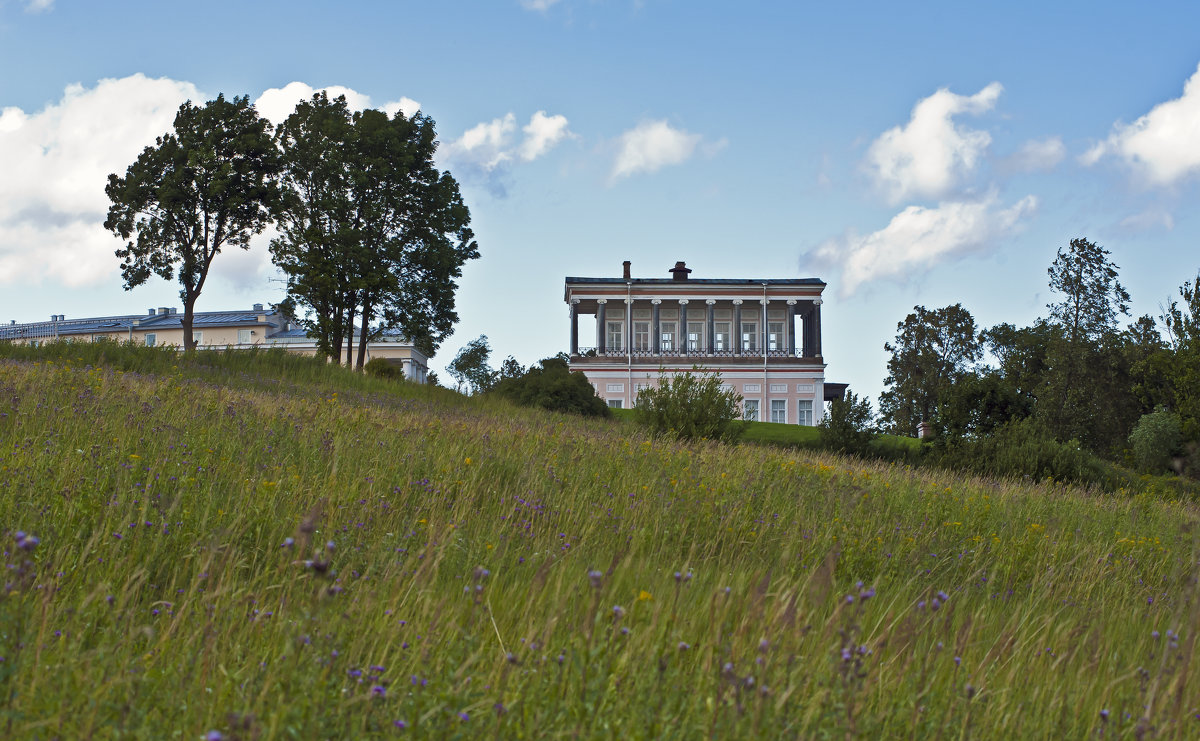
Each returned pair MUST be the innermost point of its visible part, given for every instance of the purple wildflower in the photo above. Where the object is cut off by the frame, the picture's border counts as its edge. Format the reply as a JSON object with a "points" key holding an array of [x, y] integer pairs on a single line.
{"points": [[378, 691]]}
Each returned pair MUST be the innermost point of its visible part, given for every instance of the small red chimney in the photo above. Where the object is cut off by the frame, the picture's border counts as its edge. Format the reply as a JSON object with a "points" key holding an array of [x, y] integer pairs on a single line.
{"points": [[625, 272], [680, 271]]}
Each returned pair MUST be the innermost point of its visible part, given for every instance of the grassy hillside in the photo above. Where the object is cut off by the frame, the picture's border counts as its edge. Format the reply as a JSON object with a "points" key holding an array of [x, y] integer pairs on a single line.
{"points": [[270, 548]]}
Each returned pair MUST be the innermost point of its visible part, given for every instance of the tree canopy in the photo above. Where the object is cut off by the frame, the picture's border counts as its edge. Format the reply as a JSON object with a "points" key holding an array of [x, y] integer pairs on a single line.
{"points": [[932, 350], [372, 231], [208, 184]]}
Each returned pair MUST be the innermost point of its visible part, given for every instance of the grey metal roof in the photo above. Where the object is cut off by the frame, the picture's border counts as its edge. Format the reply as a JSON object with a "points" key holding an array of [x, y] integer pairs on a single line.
{"points": [[571, 280]]}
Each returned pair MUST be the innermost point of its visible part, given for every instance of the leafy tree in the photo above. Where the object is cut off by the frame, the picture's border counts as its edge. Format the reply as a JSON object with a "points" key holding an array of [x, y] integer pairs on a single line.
{"points": [[551, 385], [850, 425], [510, 368], [316, 223], [980, 403], [1182, 368], [691, 406], [373, 231], [208, 184], [932, 350], [470, 367], [1091, 299], [1156, 440]]}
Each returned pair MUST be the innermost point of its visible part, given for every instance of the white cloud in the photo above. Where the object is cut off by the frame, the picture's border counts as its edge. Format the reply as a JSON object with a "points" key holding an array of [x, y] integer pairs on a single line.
{"points": [[405, 105], [918, 238], [542, 133], [486, 151], [1163, 146], [485, 145], [652, 145], [1151, 218], [928, 156], [537, 4], [56, 164], [1037, 154], [277, 103], [39, 6]]}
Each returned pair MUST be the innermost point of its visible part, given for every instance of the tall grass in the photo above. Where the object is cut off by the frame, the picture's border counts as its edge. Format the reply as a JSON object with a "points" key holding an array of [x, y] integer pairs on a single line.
{"points": [[267, 551]]}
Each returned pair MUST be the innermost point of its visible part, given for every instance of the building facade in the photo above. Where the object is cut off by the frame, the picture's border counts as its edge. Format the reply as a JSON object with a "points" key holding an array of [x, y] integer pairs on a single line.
{"points": [[762, 335], [212, 330]]}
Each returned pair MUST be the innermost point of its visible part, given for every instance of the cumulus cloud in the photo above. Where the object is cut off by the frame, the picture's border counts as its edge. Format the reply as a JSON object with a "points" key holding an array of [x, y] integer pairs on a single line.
{"points": [[1036, 154], [542, 133], [1163, 146], [485, 152], [918, 238], [277, 103], [930, 154], [651, 146], [56, 164]]}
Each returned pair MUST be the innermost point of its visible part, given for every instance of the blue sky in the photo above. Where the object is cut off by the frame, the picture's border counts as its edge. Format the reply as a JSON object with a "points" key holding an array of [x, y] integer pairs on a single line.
{"points": [[906, 155]]}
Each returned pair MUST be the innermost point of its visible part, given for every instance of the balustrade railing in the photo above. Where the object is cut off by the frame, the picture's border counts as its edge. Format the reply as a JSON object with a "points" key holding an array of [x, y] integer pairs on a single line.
{"points": [[609, 352]]}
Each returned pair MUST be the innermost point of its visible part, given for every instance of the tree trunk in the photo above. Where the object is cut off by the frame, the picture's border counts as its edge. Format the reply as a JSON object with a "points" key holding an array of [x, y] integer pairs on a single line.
{"points": [[362, 336], [189, 304]]}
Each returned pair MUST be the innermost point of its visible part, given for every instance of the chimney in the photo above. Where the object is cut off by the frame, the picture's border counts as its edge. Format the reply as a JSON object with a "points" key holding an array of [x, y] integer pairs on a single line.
{"points": [[625, 272], [163, 310], [680, 271], [151, 311], [258, 307]]}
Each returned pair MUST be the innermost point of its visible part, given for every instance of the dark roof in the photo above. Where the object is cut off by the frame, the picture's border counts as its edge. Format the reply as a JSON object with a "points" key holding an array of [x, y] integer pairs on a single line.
{"points": [[835, 391], [701, 281], [202, 318]]}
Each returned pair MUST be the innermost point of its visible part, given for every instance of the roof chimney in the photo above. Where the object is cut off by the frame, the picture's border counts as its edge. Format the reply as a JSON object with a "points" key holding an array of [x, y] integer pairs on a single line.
{"points": [[151, 311], [680, 271], [163, 310], [625, 272], [258, 307]]}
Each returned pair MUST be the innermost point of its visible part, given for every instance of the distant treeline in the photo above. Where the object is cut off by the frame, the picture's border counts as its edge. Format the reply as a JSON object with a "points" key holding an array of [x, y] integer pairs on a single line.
{"points": [[1075, 384]]}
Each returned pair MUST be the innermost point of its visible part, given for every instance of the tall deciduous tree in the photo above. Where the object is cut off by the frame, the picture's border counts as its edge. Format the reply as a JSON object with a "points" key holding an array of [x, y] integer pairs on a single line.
{"points": [[373, 232], [470, 367], [932, 350], [206, 185], [1090, 301]]}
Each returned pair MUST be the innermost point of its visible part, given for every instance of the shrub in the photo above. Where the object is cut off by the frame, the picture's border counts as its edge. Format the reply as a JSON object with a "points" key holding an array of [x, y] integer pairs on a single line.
{"points": [[691, 406], [849, 427], [1156, 440], [553, 386], [382, 368]]}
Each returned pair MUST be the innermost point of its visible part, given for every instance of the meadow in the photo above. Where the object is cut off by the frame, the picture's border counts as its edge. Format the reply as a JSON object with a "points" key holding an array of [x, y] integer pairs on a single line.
{"points": [[250, 546]]}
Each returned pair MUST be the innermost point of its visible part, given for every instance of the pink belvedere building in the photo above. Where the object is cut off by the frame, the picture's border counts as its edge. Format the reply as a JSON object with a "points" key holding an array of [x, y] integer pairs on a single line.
{"points": [[763, 336]]}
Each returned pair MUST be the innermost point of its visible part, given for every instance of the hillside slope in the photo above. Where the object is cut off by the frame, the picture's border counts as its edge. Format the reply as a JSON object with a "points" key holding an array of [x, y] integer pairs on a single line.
{"points": [[277, 551]]}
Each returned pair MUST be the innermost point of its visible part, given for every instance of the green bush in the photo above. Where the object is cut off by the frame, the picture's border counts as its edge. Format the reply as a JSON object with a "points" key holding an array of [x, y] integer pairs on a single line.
{"points": [[691, 406], [849, 427], [554, 387], [1156, 441], [382, 368]]}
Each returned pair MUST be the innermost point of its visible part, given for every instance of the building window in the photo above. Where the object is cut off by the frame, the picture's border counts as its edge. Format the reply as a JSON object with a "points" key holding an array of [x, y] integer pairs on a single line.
{"points": [[775, 335], [804, 388], [751, 388], [197, 338], [779, 388], [244, 336], [779, 410], [641, 335], [613, 338], [616, 388], [695, 336], [721, 336], [151, 338], [804, 413], [749, 336], [667, 332], [616, 403], [750, 410], [99, 338]]}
